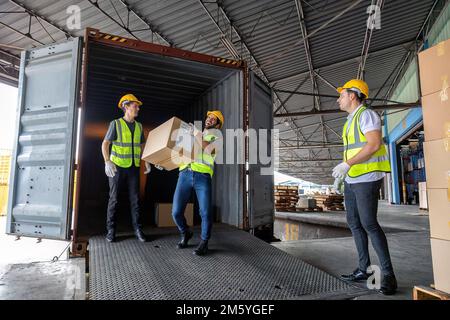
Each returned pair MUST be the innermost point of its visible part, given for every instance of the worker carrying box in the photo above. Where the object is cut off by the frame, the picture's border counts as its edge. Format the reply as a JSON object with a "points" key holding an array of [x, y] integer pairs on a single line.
{"points": [[178, 144]]}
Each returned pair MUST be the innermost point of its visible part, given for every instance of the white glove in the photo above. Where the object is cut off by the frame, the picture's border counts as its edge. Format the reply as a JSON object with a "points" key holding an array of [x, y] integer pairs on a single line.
{"points": [[148, 167], [191, 128], [158, 167], [340, 171], [193, 131], [110, 169], [337, 185]]}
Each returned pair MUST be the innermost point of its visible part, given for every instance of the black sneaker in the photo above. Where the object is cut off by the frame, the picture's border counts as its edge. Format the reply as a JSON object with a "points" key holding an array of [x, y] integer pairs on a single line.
{"points": [[388, 285], [140, 235], [185, 237], [356, 276], [110, 236], [202, 248]]}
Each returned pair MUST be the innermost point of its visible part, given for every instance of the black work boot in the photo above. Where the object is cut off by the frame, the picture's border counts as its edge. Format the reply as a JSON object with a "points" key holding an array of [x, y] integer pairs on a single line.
{"points": [[110, 235], [140, 235], [202, 248], [185, 237], [388, 285]]}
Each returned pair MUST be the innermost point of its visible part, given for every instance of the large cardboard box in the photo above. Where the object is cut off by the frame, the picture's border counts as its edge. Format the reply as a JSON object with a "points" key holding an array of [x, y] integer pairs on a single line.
{"points": [[437, 163], [164, 215], [440, 252], [169, 145], [435, 68], [436, 116], [439, 213]]}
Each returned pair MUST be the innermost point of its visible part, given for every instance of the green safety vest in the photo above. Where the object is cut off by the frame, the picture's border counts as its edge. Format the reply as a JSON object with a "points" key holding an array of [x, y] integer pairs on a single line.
{"points": [[125, 146], [204, 162], [354, 141]]}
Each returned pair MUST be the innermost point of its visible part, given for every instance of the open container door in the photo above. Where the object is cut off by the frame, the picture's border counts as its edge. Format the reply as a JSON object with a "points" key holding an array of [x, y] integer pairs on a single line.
{"points": [[42, 164], [260, 182]]}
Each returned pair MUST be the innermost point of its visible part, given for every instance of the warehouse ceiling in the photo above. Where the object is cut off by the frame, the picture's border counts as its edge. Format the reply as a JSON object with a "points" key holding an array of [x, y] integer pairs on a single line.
{"points": [[294, 45]]}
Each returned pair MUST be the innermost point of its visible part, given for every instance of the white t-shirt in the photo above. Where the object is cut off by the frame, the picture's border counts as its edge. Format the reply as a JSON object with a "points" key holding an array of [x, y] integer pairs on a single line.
{"points": [[368, 121]]}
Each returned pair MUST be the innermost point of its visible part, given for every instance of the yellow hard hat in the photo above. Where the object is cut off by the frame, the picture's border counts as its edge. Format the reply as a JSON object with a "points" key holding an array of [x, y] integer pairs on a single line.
{"points": [[356, 84], [129, 98], [218, 115]]}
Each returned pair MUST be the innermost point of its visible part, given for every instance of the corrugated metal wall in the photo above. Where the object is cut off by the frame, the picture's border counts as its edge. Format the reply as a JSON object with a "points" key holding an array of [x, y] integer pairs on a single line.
{"points": [[407, 91], [226, 96], [441, 28]]}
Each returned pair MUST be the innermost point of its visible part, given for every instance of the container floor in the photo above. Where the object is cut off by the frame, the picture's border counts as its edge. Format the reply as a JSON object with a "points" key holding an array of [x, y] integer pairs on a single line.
{"points": [[238, 266]]}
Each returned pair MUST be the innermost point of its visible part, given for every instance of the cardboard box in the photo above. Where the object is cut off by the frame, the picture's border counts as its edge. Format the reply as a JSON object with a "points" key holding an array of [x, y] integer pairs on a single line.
{"points": [[169, 145], [439, 212], [435, 68], [440, 252], [436, 116], [437, 163], [164, 215]]}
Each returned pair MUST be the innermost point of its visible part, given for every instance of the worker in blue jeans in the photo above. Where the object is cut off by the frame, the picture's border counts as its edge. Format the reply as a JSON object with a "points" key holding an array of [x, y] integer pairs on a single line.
{"points": [[197, 176], [365, 163]]}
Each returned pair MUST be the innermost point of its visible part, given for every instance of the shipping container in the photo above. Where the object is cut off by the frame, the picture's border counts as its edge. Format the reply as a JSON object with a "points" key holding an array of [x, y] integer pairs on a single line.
{"points": [[74, 86]]}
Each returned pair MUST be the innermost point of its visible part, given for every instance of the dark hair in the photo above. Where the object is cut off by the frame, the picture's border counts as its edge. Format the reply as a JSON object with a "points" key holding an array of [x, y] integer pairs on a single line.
{"points": [[360, 97]]}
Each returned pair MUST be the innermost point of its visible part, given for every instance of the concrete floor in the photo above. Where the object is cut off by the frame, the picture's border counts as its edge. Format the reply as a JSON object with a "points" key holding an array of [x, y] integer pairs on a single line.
{"points": [[407, 231], [27, 271]]}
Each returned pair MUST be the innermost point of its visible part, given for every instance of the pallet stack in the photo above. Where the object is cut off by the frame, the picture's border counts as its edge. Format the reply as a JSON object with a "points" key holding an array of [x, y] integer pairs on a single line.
{"points": [[434, 70], [286, 198], [332, 202]]}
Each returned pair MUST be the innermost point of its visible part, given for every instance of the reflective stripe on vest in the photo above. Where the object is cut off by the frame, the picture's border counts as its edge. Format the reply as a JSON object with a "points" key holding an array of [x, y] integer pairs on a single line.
{"points": [[122, 148], [354, 141], [204, 162]]}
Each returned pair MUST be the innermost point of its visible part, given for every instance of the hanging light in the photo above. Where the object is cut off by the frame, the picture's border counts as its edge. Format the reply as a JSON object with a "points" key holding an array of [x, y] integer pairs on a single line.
{"points": [[230, 47]]}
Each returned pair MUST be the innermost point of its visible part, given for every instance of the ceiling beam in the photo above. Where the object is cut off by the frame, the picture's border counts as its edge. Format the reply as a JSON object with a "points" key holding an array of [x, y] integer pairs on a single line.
{"points": [[30, 11], [333, 65], [367, 38], [152, 28], [315, 87], [256, 67], [311, 146], [29, 36], [335, 111]]}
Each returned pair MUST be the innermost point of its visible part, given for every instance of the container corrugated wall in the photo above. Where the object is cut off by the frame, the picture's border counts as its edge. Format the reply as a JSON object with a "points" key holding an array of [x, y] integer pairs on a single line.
{"points": [[226, 96]]}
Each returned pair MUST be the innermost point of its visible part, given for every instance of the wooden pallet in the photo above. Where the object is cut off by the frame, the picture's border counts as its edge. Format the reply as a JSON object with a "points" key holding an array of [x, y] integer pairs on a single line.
{"points": [[316, 209], [334, 208], [428, 293], [285, 209]]}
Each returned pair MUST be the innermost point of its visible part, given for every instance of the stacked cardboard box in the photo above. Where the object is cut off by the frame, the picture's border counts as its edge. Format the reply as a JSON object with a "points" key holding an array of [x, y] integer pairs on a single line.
{"points": [[331, 202], [434, 80], [164, 218], [286, 198], [169, 145]]}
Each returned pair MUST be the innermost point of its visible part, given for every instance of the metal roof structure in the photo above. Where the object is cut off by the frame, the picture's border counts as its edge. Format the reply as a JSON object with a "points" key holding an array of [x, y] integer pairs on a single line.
{"points": [[307, 46]]}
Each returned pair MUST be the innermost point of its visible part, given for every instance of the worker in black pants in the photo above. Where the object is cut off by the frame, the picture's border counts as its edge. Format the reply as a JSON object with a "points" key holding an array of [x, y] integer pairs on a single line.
{"points": [[122, 164]]}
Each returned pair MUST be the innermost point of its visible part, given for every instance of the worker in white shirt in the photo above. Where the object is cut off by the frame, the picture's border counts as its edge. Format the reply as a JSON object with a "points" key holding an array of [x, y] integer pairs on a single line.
{"points": [[363, 169]]}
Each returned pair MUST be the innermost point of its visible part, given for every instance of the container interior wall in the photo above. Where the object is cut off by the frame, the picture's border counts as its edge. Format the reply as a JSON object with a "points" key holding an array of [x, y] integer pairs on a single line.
{"points": [[226, 96], [167, 87]]}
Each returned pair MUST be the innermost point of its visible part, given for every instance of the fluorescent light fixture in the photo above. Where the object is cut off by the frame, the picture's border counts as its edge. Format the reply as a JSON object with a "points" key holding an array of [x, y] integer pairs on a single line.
{"points": [[230, 47]]}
